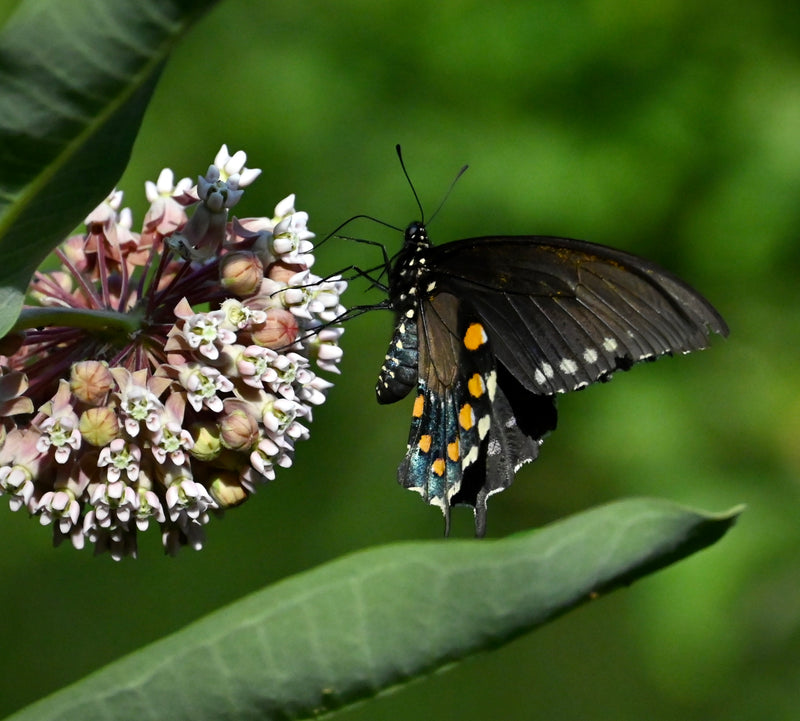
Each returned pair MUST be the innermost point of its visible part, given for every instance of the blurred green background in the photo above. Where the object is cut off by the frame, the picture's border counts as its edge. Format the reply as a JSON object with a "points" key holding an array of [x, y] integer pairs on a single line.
{"points": [[668, 128]]}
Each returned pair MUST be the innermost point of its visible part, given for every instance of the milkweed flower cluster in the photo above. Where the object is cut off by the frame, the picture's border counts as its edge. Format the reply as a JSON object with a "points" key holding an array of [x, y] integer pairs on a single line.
{"points": [[165, 374]]}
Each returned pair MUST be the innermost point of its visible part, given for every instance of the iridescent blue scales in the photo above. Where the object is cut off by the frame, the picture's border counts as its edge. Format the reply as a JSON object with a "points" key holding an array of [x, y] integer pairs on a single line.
{"points": [[490, 329]]}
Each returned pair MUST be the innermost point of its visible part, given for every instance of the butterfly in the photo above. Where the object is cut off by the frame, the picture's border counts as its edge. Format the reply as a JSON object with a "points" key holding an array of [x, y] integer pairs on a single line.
{"points": [[490, 330]]}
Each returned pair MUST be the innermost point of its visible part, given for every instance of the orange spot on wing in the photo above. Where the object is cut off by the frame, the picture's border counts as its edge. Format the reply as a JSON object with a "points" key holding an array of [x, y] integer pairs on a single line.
{"points": [[438, 466], [419, 406], [466, 418], [452, 451], [425, 443], [475, 336], [476, 386]]}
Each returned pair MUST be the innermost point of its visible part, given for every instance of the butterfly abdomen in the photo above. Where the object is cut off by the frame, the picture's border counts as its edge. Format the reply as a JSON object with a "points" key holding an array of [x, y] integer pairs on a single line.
{"points": [[399, 370], [398, 373]]}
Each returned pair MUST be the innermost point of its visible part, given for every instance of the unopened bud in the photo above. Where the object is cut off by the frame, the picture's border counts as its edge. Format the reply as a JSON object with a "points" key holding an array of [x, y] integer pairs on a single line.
{"points": [[238, 430], [226, 489], [279, 330], [91, 382], [99, 426], [241, 273], [207, 444], [284, 272]]}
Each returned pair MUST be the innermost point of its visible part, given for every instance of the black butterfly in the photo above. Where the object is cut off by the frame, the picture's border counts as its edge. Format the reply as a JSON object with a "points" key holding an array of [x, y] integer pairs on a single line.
{"points": [[490, 329]]}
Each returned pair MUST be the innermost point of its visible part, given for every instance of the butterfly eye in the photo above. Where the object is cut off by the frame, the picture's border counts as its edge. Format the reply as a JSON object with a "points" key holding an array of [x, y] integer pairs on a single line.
{"points": [[414, 232]]}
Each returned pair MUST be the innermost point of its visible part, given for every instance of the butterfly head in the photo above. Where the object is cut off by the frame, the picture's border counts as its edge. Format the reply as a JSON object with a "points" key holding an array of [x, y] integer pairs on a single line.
{"points": [[416, 235]]}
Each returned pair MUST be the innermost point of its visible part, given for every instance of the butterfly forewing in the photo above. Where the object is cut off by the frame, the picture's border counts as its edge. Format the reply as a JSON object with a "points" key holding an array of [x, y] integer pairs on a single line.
{"points": [[564, 313]]}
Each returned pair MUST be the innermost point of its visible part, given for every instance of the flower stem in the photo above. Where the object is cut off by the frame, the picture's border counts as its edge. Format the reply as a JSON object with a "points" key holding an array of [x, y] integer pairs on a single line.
{"points": [[92, 320]]}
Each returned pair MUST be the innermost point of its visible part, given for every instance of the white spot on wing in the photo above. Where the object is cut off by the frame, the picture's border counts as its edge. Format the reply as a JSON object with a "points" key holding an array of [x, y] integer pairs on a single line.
{"points": [[493, 448], [470, 458], [568, 366], [590, 355], [483, 426], [491, 385], [547, 369], [610, 344]]}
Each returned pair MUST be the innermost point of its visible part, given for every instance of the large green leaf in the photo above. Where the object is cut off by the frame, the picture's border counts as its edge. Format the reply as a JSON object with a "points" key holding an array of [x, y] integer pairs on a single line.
{"points": [[75, 78], [377, 619]]}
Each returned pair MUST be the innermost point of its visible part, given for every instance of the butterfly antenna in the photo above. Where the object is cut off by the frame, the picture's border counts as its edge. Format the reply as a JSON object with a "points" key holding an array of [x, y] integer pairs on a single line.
{"points": [[347, 222], [449, 190], [408, 178]]}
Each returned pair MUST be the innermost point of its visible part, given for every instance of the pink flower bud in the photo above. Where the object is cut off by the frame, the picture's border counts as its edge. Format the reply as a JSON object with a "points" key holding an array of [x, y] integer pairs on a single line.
{"points": [[90, 382], [283, 272], [241, 273], [279, 330], [238, 429]]}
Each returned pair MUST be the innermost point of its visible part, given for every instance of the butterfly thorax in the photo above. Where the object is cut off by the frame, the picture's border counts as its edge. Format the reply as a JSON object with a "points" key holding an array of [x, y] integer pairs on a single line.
{"points": [[409, 270]]}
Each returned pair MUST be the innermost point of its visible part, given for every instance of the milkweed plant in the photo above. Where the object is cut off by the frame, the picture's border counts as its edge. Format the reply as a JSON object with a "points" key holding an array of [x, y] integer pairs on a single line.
{"points": [[158, 377]]}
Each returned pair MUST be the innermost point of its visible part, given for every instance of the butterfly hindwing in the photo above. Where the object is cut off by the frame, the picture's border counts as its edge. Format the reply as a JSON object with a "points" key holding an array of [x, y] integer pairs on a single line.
{"points": [[451, 415], [519, 422], [473, 426]]}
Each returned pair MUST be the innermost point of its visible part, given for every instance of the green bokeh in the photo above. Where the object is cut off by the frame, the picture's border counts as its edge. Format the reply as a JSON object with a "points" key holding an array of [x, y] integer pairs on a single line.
{"points": [[667, 128]]}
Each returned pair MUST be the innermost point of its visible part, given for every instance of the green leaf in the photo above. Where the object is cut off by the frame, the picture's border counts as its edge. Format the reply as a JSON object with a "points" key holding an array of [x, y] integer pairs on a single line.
{"points": [[376, 619], [75, 79]]}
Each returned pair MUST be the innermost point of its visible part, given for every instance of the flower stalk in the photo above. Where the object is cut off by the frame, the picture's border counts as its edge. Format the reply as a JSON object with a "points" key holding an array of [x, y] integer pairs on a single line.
{"points": [[109, 322]]}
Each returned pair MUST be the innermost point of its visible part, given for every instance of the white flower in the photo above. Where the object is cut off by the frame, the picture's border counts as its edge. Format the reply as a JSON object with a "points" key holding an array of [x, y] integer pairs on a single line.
{"points": [[232, 166]]}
